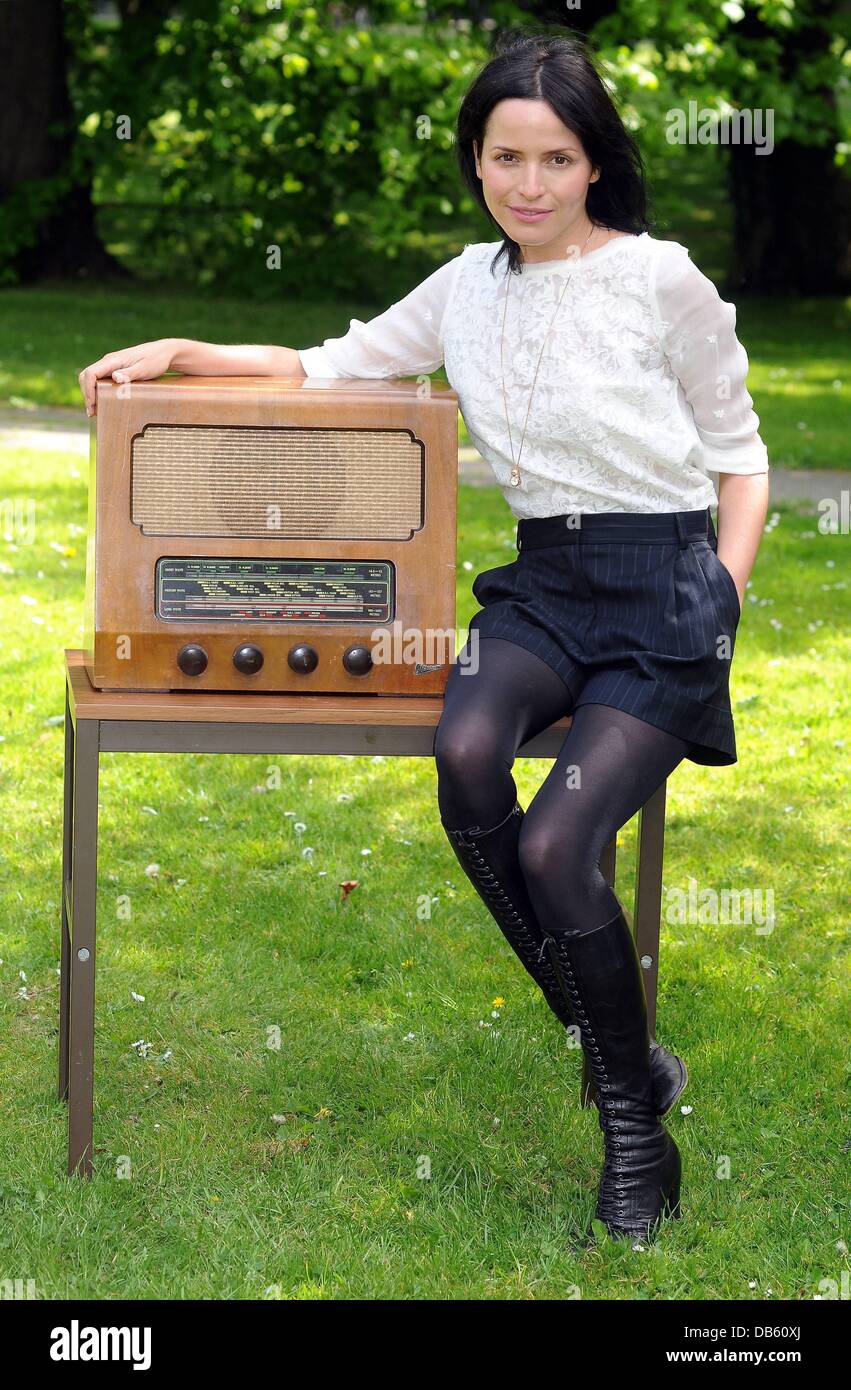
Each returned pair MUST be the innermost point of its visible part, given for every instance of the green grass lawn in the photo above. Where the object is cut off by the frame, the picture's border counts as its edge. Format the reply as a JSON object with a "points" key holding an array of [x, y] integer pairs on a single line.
{"points": [[229, 1168], [797, 351]]}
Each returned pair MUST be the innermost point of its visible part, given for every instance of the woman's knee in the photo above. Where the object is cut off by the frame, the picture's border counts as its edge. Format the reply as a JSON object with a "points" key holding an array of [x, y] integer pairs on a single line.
{"points": [[540, 848], [549, 849], [460, 752]]}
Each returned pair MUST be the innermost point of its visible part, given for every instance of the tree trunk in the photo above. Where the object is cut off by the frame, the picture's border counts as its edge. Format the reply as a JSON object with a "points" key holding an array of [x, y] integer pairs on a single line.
{"points": [[37, 137], [792, 208], [792, 212]]}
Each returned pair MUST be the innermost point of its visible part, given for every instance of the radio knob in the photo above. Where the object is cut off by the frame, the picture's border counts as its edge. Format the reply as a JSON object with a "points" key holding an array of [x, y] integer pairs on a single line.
{"points": [[192, 659], [357, 661], [248, 659], [303, 658]]}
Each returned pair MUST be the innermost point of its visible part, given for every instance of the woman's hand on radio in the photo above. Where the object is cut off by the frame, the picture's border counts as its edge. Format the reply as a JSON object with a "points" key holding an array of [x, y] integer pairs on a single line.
{"points": [[139, 363]]}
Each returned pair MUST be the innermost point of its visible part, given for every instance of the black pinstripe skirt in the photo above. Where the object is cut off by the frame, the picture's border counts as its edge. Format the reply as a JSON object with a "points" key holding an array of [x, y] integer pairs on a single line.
{"points": [[630, 609]]}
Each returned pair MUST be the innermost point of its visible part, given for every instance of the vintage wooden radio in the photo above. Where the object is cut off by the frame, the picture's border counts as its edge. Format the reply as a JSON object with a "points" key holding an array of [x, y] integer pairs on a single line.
{"points": [[268, 534]]}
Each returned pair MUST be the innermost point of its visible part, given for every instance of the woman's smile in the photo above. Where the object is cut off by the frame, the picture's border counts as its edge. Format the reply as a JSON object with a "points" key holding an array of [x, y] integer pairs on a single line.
{"points": [[530, 215]]}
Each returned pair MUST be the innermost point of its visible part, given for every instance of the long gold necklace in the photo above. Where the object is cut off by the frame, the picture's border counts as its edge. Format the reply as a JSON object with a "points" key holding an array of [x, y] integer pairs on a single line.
{"points": [[515, 471]]}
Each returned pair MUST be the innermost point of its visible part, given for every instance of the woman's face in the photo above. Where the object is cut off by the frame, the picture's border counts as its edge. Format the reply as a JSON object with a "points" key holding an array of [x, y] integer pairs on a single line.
{"points": [[530, 159]]}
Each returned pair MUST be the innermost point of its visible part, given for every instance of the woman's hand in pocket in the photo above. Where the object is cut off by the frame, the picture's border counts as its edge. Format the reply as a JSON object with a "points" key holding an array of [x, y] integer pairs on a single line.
{"points": [[738, 584]]}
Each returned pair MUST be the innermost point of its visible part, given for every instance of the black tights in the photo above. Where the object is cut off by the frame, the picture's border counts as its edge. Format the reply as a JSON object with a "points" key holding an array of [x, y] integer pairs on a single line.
{"points": [[608, 766]]}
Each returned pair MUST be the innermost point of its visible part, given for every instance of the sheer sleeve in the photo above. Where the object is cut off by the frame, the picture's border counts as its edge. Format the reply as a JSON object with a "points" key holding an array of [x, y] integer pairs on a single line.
{"points": [[405, 339], [698, 335]]}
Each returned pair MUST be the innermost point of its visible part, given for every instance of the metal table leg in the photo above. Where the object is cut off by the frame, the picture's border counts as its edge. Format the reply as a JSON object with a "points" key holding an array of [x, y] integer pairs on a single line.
{"points": [[79, 926], [67, 856]]}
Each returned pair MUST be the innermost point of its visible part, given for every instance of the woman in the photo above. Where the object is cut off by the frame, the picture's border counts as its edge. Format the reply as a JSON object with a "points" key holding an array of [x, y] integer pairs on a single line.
{"points": [[599, 372]]}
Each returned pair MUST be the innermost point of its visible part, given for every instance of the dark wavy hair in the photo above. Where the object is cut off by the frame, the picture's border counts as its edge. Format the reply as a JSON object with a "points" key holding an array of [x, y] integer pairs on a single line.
{"points": [[560, 71]]}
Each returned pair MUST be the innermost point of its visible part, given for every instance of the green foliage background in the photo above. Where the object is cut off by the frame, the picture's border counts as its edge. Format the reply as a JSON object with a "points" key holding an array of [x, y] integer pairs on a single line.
{"points": [[230, 128]]}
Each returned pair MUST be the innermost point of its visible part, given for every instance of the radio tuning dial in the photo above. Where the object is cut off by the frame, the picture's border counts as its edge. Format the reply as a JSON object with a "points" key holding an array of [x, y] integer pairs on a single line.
{"points": [[303, 659], [248, 659], [192, 659], [357, 661]]}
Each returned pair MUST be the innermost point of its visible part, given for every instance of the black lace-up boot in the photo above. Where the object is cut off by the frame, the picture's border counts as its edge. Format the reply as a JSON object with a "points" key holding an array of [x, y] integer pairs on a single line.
{"points": [[600, 975], [490, 860]]}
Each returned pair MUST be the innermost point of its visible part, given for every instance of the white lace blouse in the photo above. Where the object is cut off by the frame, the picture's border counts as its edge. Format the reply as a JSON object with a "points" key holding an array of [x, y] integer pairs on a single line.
{"points": [[641, 388]]}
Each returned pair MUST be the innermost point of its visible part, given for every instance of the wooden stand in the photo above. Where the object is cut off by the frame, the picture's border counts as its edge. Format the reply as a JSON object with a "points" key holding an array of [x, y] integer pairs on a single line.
{"points": [[199, 722]]}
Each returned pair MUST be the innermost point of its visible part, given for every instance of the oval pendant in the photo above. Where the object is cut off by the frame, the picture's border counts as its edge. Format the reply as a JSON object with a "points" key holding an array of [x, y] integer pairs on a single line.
{"points": [[515, 480]]}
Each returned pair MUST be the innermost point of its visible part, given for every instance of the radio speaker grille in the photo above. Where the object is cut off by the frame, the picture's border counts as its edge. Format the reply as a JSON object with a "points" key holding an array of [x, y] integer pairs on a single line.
{"points": [[190, 480]]}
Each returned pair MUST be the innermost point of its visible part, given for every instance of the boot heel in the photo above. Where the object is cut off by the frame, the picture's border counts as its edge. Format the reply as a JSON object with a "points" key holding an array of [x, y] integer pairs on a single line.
{"points": [[668, 1100], [672, 1203], [671, 1206]]}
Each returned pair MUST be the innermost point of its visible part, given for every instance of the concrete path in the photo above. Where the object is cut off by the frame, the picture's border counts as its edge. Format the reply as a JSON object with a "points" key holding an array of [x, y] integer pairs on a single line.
{"points": [[68, 430]]}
